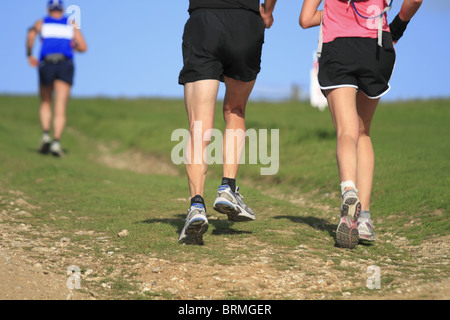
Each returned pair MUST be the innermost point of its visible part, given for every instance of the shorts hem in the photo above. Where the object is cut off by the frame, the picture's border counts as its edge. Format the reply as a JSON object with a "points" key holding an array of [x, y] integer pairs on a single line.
{"points": [[338, 86], [378, 96], [238, 78], [357, 88], [183, 81], [44, 84]]}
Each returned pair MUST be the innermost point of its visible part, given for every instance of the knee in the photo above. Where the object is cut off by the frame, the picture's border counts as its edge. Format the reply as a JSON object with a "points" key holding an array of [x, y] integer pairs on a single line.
{"points": [[234, 110], [352, 135], [46, 106], [364, 129]]}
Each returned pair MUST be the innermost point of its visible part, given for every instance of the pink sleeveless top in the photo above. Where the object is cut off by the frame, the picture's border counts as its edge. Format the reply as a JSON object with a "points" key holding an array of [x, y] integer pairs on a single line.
{"points": [[341, 20]]}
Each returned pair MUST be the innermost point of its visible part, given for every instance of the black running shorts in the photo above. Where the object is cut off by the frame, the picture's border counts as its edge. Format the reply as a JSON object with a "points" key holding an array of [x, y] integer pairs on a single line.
{"points": [[49, 72], [357, 62], [222, 42]]}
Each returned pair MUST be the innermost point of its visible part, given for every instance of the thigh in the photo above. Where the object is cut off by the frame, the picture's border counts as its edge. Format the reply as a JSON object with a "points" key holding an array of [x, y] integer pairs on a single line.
{"points": [[342, 105], [237, 94], [62, 93], [200, 99], [366, 109], [46, 92]]}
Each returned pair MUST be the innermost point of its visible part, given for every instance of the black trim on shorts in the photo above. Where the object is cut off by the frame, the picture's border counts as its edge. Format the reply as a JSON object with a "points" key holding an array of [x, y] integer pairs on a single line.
{"points": [[220, 43], [357, 62]]}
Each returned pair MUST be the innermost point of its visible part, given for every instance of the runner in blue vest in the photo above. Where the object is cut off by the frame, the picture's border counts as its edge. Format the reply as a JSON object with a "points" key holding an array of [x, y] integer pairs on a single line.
{"points": [[59, 39]]}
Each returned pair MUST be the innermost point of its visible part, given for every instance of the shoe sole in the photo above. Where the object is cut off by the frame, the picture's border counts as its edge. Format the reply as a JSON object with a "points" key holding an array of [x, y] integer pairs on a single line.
{"points": [[347, 235], [193, 234], [366, 237], [45, 148], [351, 207], [57, 154], [233, 212]]}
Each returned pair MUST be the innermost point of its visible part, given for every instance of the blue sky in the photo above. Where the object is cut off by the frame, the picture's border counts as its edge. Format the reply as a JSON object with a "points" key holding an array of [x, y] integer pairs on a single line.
{"points": [[135, 50]]}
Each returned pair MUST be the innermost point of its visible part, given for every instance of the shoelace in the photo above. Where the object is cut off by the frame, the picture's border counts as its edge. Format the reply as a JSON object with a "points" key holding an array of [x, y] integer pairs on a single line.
{"points": [[238, 195], [239, 198], [198, 207]]}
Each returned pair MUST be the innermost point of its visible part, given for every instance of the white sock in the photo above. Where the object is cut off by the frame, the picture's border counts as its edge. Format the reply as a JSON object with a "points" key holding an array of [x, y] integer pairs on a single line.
{"points": [[347, 184]]}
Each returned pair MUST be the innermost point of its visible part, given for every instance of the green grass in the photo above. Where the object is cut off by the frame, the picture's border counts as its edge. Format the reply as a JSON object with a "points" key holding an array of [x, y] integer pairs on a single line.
{"points": [[411, 183]]}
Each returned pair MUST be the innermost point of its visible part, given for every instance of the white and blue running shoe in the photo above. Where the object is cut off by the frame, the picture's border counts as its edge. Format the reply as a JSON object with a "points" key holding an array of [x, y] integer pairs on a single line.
{"points": [[195, 227], [231, 204]]}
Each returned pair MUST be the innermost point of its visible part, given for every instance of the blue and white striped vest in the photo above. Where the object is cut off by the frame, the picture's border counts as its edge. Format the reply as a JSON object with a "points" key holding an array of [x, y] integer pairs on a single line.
{"points": [[56, 35]]}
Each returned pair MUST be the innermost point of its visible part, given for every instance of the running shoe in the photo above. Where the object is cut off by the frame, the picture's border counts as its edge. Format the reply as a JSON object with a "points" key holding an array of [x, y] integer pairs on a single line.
{"points": [[231, 204], [347, 235], [196, 225], [56, 149], [44, 146], [365, 229]]}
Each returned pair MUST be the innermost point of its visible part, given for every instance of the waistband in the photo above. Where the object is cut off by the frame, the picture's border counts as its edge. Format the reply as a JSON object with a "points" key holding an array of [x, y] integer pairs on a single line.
{"points": [[55, 58]]}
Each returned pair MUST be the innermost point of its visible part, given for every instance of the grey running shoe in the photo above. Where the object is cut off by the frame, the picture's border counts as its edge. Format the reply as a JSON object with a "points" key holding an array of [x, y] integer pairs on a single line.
{"points": [[365, 229], [347, 235], [56, 149], [196, 225], [231, 204], [44, 146]]}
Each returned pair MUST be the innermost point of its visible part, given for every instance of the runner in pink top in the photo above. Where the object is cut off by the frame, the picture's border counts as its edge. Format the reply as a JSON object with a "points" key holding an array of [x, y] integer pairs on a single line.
{"points": [[341, 20], [357, 56]]}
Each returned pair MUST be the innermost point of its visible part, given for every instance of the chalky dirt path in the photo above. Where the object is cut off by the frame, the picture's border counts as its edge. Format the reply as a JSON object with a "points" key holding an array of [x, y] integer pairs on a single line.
{"points": [[34, 263]]}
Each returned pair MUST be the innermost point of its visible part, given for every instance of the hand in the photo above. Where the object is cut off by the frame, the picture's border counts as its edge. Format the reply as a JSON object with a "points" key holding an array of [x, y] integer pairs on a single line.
{"points": [[33, 61], [267, 18]]}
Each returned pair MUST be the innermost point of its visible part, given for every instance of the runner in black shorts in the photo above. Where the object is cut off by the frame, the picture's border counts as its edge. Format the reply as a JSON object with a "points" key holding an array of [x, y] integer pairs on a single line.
{"points": [[356, 62], [222, 41]]}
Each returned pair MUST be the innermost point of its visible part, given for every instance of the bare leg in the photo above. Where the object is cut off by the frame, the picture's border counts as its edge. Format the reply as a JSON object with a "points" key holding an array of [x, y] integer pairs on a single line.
{"points": [[45, 110], [366, 160], [229, 200], [342, 103], [200, 100], [236, 97], [62, 92]]}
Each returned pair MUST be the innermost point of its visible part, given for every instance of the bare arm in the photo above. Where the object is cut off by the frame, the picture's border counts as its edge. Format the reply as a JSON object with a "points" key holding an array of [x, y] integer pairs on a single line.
{"points": [[310, 16], [409, 9], [79, 42], [400, 22], [31, 37], [266, 11]]}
